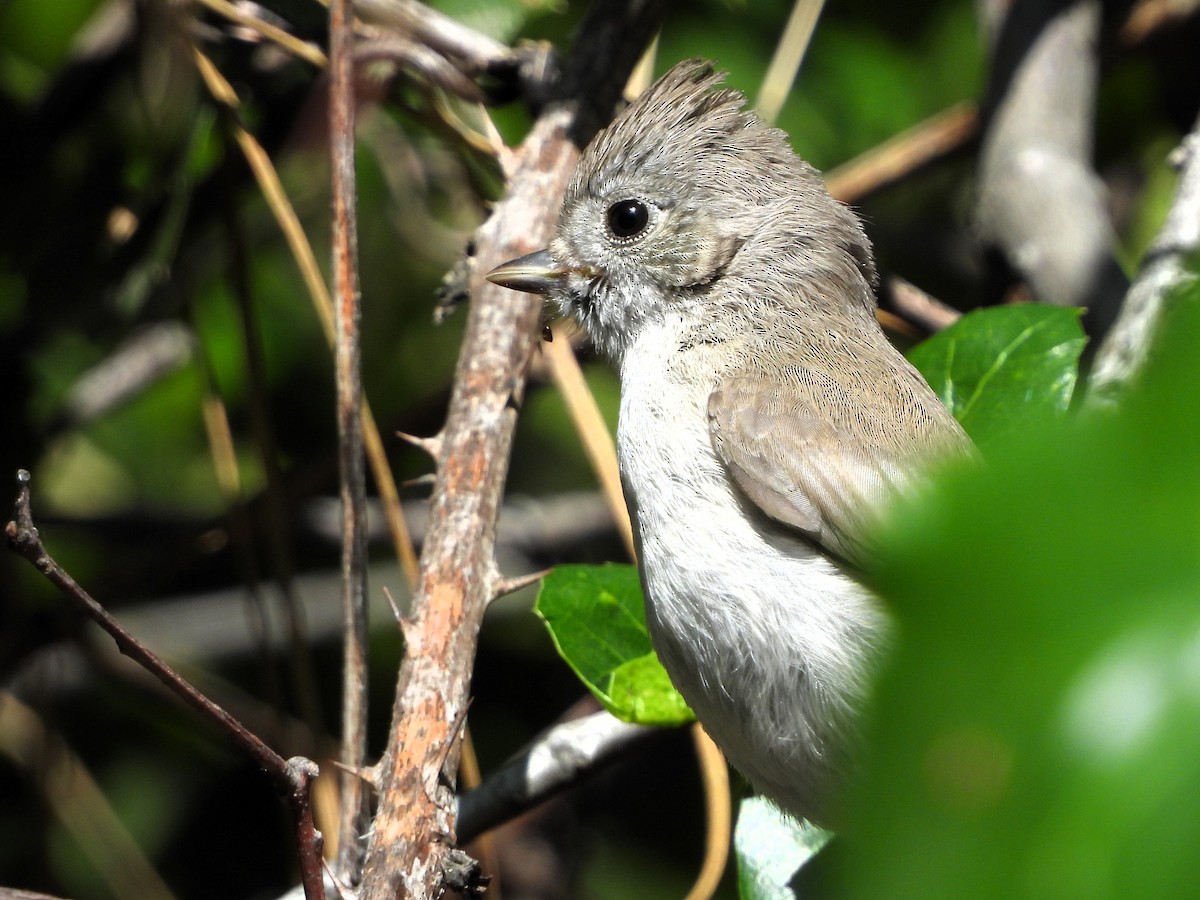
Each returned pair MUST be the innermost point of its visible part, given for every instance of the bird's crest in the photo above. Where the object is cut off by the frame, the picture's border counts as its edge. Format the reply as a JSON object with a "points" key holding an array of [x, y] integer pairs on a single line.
{"points": [[680, 121]]}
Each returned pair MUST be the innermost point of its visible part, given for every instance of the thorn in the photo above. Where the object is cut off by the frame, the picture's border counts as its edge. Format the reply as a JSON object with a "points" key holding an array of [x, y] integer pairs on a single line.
{"points": [[431, 445], [505, 586], [395, 607], [368, 774], [419, 481]]}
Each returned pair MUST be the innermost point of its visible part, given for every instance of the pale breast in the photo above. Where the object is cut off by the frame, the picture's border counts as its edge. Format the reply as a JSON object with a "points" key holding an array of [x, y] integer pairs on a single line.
{"points": [[766, 638]]}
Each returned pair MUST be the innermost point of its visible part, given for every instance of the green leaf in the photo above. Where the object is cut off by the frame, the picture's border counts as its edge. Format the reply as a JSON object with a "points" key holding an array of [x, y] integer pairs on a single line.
{"points": [[1001, 369], [597, 619], [771, 846], [1037, 732]]}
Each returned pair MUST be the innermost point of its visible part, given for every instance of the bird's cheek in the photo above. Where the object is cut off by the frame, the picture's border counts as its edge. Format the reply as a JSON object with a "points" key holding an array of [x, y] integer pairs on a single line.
{"points": [[576, 299]]}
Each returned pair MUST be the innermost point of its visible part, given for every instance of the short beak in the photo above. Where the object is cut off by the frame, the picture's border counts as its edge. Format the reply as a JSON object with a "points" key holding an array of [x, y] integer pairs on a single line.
{"points": [[537, 273]]}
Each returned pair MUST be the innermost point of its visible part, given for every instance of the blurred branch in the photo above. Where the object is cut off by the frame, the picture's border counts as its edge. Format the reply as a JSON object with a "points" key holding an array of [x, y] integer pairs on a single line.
{"points": [[718, 814], [1040, 203], [144, 358], [1149, 16], [206, 630], [1170, 263], [555, 761], [410, 851], [789, 54], [236, 12], [78, 803], [450, 38], [354, 809], [911, 304], [451, 55], [293, 776], [906, 153]]}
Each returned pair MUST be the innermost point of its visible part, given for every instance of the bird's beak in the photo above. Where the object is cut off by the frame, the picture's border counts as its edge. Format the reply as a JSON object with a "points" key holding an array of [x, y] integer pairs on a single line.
{"points": [[536, 273]]}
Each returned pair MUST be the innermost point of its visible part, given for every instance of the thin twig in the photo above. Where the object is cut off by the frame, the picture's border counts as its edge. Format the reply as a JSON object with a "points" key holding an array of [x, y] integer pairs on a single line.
{"points": [[292, 776], [354, 811], [310, 272]]}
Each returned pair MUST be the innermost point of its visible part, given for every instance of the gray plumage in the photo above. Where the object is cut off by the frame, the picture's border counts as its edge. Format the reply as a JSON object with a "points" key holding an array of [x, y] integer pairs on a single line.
{"points": [[765, 419]]}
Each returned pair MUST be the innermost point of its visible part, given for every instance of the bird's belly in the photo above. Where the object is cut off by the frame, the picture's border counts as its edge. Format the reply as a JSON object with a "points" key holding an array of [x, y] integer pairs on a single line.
{"points": [[767, 639]]}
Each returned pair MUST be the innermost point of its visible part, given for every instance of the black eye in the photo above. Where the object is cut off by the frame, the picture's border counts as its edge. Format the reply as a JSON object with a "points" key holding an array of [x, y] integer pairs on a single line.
{"points": [[628, 218]]}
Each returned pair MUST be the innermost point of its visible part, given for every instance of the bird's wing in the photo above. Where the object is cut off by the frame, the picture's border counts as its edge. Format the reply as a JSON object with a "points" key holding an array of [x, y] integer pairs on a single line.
{"points": [[809, 449]]}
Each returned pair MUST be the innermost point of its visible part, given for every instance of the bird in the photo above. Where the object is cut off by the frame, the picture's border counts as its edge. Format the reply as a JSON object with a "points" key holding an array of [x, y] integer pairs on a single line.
{"points": [[766, 422]]}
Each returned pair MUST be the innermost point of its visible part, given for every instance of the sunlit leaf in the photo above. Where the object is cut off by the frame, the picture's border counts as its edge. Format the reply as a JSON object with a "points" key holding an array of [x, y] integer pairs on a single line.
{"points": [[597, 619], [1003, 369]]}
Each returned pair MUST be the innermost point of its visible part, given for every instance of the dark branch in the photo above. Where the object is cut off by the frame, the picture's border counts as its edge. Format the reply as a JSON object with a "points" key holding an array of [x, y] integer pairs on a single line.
{"points": [[354, 811], [293, 776]]}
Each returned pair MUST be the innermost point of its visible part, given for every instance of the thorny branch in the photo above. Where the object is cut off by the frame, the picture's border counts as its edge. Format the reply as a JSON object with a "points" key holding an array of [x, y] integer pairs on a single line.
{"points": [[410, 850]]}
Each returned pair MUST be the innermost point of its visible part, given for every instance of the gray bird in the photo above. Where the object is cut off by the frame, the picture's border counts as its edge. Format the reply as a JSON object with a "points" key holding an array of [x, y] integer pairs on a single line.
{"points": [[765, 419]]}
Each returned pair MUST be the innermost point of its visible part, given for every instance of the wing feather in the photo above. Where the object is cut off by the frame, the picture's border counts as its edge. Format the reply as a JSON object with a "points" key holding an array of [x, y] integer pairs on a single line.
{"points": [[816, 453]]}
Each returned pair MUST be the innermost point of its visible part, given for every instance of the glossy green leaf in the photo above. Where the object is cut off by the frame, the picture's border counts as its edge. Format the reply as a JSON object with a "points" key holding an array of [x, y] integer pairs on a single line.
{"points": [[597, 619], [771, 847], [1000, 370], [1037, 732]]}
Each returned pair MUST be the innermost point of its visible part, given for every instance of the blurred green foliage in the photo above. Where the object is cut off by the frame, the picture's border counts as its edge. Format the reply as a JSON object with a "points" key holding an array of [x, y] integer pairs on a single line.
{"points": [[1036, 734]]}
